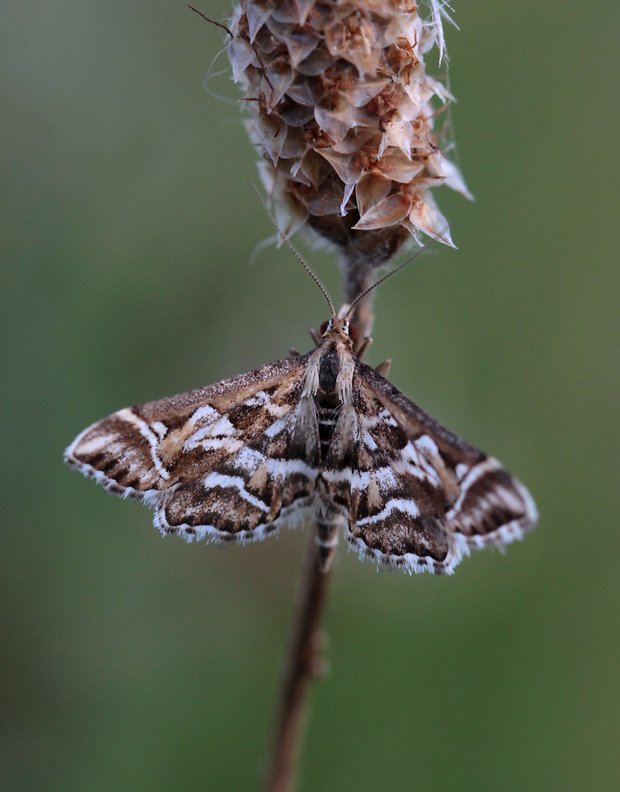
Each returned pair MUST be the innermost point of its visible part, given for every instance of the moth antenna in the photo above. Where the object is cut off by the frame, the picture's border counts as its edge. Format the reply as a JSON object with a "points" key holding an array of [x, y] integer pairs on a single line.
{"points": [[382, 279], [294, 251], [208, 19], [229, 31]]}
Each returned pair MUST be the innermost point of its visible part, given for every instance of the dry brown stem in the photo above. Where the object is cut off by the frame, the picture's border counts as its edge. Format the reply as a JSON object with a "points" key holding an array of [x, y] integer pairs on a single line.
{"points": [[304, 664]]}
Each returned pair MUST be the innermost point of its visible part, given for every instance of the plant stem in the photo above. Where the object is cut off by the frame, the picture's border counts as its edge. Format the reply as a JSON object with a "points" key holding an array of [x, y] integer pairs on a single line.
{"points": [[304, 664], [358, 266]]}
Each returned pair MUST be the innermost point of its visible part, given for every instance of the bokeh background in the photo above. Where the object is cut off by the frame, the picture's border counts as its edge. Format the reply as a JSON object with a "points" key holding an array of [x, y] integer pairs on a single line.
{"points": [[129, 662]]}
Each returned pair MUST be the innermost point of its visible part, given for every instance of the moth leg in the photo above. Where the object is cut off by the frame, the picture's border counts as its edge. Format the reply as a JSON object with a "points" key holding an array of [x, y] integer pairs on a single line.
{"points": [[384, 368], [364, 346], [315, 336]]}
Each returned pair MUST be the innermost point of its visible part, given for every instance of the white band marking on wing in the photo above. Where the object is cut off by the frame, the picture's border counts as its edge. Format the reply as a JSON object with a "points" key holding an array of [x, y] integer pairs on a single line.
{"points": [[396, 504], [149, 435], [218, 480]]}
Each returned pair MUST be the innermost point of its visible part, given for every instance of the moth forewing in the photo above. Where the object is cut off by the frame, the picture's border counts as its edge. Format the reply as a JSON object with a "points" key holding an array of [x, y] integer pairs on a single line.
{"points": [[222, 462], [484, 504]]}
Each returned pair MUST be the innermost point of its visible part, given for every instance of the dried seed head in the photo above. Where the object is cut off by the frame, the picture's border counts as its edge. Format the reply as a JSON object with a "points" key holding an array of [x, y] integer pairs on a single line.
{"points": [[342, 113]]}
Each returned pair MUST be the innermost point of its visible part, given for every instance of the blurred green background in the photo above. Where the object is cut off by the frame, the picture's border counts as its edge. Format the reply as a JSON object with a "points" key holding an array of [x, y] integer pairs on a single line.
{"points": [[129, 662]]}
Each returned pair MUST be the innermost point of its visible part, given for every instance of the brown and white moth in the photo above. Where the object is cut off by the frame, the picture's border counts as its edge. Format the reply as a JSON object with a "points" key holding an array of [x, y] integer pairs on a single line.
{"points": [[320, 439]]}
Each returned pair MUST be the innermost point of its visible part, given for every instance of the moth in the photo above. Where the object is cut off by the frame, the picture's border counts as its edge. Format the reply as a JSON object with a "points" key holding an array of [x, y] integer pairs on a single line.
{"points": [[320, 439]]}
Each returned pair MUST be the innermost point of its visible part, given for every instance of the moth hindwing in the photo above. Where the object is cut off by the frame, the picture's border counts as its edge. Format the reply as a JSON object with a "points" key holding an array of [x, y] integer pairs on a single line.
{"points": [[320, 439]]}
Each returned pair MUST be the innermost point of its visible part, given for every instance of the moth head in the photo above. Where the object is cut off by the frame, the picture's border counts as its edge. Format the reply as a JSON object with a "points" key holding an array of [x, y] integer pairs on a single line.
{"points": [[338, 329]]}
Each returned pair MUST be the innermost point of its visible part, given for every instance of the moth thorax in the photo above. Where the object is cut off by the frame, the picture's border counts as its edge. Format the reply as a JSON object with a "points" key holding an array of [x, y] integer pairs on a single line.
{"points": [[329, 367]]}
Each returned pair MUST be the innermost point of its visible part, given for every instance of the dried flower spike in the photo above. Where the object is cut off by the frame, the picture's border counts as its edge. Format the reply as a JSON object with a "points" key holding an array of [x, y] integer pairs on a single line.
{"points": [[342, 112]]}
